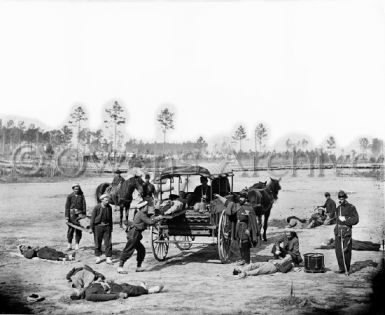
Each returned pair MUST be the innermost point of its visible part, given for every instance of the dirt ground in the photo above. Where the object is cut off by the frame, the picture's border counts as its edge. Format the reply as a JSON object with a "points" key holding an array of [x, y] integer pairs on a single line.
{"points": [[195, 280]]}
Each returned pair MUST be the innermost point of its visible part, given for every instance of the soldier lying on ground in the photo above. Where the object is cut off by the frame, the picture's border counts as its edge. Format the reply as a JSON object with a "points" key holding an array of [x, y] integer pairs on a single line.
{"points": [[82, 277], [45, 253], [356, 245], [100, 291], [317, 219], [264, 268]]}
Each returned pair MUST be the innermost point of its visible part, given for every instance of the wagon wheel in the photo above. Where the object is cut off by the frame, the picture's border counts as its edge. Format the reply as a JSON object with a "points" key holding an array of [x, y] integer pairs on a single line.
{"points": [[183, 242], [224, 238], [159, 250]]}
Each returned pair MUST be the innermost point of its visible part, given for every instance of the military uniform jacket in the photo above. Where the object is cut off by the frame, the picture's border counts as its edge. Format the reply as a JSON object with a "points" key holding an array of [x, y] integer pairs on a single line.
{"points": [[101, 215], [141, 220], [252, 224], [291, 246], [351, 218], [148, 190], [75, 202], [330, 207]]}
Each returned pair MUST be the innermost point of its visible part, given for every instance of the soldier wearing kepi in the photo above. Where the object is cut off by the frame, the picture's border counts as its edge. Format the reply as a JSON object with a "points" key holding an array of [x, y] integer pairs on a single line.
{"points": [[134, 235], [149, 191], [101, 225], [347, 216], [118, 179], [75, 206]]}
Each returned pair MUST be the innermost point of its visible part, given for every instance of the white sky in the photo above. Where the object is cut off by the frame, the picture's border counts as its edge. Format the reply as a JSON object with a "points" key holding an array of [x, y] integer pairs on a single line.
{"points": [[310, 67]]}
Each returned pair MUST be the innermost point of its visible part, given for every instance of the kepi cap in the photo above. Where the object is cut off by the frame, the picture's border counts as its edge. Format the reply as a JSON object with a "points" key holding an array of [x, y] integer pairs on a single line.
{"points": [[342, 194]]}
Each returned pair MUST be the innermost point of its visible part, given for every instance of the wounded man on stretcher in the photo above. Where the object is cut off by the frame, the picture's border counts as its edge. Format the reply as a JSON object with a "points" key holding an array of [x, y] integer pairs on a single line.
{"points": [[172, 206]]}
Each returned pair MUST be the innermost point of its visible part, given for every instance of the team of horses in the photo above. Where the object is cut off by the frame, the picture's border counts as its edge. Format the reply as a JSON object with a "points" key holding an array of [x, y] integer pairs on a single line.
{"points": [[261, 196]]}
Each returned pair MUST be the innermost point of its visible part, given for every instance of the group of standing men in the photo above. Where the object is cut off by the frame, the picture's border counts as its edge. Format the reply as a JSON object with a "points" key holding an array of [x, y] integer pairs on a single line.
{"points": [[101, 223]]}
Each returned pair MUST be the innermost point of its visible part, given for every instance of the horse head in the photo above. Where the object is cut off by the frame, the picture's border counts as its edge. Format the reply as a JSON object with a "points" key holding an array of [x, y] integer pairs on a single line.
{"points": [[128, 186], [275, 186], [138, 182]]}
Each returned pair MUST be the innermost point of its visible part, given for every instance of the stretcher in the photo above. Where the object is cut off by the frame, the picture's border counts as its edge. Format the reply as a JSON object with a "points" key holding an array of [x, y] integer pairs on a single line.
{"points": [[81, 228]]}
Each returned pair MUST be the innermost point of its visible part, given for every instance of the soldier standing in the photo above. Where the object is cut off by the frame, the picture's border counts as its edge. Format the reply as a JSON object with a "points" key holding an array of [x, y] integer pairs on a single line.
{"points": [[101, 225], [347, 216], [75, 206]]}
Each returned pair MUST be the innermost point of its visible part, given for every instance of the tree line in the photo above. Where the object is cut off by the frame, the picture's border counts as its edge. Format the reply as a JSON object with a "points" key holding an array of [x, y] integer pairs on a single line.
{"points": [[373, 147], [111, 139]]}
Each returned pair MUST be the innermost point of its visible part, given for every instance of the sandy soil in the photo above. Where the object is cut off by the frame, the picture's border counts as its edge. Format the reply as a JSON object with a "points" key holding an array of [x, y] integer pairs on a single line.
{"points": [[195, 280]]}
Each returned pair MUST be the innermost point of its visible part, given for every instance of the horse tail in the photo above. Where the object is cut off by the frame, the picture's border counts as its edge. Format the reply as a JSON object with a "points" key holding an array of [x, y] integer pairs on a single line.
{"points": [[100, 190]]}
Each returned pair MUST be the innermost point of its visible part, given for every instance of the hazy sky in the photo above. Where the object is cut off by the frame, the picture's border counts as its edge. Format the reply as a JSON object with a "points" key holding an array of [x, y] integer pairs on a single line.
{"points": [[308, 67]]}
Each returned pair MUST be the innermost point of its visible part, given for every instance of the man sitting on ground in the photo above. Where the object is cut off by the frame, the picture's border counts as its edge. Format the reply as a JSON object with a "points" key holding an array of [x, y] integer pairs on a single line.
{"points": [[45, 253], [288, 244], [101, 290]]}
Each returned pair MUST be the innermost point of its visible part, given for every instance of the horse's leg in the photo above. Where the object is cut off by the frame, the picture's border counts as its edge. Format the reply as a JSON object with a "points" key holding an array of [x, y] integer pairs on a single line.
{"points": [[127, 210], [121, 216], [265, 220], [259, 217]]}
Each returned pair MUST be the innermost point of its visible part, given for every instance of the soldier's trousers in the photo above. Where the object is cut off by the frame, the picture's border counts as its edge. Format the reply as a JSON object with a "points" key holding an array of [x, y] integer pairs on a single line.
{"points": [[133, 243], [347, 247], [244, 248], [70, 234], [103, 232]]}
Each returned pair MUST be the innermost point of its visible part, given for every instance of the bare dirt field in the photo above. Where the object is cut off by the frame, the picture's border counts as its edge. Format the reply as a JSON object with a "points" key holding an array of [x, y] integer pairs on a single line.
{"points": [[195, 280]]}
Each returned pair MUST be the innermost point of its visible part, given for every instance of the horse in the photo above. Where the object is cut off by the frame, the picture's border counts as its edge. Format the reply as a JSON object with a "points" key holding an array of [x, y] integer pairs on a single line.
{"points": [[262, 200], [123, 196]]}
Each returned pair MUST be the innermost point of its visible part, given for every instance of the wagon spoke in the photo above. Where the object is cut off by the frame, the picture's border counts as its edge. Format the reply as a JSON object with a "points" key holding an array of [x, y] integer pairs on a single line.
{"points": [[160, 249]]}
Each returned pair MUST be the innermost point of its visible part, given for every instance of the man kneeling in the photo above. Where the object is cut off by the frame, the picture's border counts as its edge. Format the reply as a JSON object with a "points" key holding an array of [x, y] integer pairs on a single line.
{"points": [[265, 268], [101, 290]]}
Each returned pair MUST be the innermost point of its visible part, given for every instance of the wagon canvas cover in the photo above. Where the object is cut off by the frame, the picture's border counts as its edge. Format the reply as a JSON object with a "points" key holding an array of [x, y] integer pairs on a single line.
{"points": [[184, 170]]}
